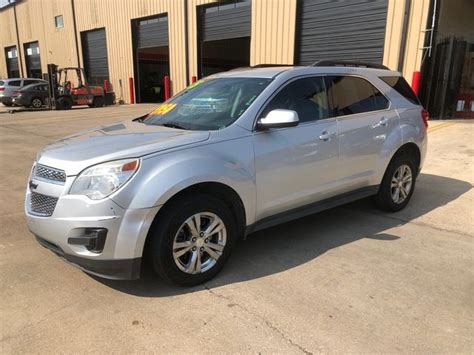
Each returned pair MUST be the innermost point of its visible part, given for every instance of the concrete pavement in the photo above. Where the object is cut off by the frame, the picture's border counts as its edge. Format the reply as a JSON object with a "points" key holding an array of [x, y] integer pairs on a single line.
{"points": [[351, 279]]}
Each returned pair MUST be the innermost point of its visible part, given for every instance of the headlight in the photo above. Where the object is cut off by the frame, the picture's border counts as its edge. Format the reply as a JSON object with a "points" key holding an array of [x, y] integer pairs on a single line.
{"points": [[101, 180]]}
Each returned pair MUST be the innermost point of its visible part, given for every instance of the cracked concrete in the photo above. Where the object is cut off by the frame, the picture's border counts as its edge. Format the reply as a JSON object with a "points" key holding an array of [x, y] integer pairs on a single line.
{"points": [[351, 279]]}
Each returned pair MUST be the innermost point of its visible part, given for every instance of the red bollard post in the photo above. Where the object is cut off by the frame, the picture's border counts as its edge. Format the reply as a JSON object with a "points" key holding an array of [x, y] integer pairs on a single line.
{"points": [[193, 79], [415, 82], [106, 85], [131, 90], [166, 82]]}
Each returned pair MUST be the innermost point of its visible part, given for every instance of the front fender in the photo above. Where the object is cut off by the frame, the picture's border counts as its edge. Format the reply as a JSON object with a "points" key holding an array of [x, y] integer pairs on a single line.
{"points": [[162, 176]]}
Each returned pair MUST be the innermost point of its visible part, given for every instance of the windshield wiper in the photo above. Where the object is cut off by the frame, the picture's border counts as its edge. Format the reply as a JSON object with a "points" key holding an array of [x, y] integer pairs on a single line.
{"points": [[173, 125], [140, 119]]}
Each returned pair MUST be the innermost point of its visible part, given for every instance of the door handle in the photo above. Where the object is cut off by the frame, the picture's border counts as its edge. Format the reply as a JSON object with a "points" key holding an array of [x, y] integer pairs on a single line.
{"points": [[325, 135], [382, 123]]}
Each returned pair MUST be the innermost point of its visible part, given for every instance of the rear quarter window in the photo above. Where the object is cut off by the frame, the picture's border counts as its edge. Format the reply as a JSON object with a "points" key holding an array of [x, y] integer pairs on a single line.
{"points": [[2, 83], [400, 85]]}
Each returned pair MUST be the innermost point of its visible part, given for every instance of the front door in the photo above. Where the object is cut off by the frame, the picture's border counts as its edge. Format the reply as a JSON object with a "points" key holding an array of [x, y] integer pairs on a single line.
{"points": [[298, 165]]}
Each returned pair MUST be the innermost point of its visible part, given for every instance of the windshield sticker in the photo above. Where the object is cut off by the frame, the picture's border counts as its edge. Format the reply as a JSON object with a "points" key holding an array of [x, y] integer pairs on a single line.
{"points": [[163, 109]]}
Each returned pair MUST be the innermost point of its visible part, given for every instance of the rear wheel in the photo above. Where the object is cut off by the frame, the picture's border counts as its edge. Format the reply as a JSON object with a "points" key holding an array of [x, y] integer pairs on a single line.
{"points": [[8, 104], [192, 240], [36, 102], [397, 185]]}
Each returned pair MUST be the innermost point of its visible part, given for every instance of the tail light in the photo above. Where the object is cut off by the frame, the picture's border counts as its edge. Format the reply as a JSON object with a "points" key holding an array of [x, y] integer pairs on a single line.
{"points": [[425, 116], [15, 91], [2, 88]]}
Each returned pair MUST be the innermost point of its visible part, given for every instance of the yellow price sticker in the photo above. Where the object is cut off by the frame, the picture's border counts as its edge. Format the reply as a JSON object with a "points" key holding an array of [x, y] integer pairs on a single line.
{"points": [[163, 109]]}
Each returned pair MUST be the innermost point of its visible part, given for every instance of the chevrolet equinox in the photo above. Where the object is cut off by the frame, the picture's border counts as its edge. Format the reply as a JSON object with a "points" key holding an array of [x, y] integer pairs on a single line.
{"points": [[233, 153]]}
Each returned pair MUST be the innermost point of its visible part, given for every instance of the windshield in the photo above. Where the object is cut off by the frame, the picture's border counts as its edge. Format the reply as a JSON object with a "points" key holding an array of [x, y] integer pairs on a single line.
{"points": [[208, 104]]}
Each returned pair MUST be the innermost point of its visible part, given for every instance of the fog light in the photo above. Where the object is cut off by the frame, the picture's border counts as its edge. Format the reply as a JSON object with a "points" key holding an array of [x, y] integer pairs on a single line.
{"points": [[93, 239]]}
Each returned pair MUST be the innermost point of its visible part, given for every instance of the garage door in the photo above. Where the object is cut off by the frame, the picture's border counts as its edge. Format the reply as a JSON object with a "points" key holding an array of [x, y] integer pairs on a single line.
{"points": [[94, 52], [151, 57], [33, 61], [230, 20], [224, 35], [11, 57], [341, 30], [152, 32]]}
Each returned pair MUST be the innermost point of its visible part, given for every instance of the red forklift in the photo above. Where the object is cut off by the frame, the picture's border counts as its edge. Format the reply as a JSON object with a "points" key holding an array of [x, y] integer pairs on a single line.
{"points": [[68, 87]]}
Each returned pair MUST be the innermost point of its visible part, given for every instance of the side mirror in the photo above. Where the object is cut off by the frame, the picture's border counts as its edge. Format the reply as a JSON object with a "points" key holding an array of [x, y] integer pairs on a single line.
{"points": [[278, 118]]}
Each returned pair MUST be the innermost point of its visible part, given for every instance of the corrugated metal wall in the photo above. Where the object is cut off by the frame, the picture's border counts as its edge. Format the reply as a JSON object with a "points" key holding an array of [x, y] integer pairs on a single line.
{"points": [[273, 31], [92, 14], [273, 26]]}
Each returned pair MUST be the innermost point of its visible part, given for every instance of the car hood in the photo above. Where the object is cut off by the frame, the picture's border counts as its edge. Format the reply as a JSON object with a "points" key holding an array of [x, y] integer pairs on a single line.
{"points": [[130, 139]]}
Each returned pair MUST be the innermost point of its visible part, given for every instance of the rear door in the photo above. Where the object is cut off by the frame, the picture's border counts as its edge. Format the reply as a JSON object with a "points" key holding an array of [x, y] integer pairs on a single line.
{"points": [[297, 166], [365, 121]]}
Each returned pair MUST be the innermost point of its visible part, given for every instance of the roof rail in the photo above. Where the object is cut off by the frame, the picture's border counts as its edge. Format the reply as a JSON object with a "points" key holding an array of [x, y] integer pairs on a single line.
{"points": [[347, 63], [271, 65]]}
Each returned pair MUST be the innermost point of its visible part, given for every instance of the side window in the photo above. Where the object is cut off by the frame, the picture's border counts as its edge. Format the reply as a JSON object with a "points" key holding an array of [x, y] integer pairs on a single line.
{"points": [[350, 95], [14, 83], [28, 82], [305, 96]]}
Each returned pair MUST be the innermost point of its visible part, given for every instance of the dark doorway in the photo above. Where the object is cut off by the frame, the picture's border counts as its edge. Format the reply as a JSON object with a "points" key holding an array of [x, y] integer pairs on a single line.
{"points": [[224, 54], [33, 60], [11, 57], [224, 36], [151, 57]]}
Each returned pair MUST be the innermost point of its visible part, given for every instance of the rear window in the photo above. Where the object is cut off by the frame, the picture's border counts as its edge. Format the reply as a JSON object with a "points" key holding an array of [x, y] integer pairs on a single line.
{"points": [[29, 82], [399, 84]]}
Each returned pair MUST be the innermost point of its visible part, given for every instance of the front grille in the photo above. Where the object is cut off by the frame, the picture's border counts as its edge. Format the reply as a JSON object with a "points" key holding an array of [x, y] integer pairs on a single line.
{"points": [[45, 172], [42, 204]]}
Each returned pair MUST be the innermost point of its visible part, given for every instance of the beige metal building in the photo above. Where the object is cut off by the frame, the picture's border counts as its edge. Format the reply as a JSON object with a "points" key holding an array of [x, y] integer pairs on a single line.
{"points": [[148, 39]]}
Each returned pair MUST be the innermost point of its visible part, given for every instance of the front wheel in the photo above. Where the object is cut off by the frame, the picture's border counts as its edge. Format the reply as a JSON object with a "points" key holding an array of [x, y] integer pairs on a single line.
{"points": [[397, 185], [192, 239]]}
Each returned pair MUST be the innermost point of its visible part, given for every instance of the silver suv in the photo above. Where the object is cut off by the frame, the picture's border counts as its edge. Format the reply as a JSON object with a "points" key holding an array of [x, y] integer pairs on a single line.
{"points": [[234, 153]]}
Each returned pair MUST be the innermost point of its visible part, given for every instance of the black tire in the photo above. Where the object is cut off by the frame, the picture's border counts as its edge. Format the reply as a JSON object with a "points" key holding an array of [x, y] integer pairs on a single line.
{"points": [[98, 102], [167, 226], [8, 104], [36, 102], [384, 199], [64, 103]]}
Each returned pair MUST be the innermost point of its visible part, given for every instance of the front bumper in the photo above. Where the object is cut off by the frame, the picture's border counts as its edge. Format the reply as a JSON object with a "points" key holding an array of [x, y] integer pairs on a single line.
{"points": [[74, 215], [124, 269]]}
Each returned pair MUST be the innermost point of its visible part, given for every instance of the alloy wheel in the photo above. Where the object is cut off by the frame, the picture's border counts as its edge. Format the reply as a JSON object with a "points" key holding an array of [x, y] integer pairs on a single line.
{"points": [[401, 184], [199, 243], [36, 103]]}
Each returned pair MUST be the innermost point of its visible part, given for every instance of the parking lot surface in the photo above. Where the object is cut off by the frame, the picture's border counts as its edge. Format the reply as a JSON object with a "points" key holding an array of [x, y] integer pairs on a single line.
{"points": [[351, 279]]}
